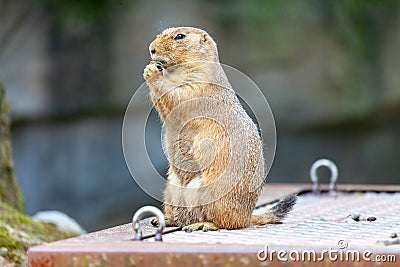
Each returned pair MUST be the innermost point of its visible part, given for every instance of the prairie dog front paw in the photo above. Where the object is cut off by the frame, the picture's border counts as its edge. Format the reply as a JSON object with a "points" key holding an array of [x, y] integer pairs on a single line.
{"points": [[151, 70], [168, 222]]}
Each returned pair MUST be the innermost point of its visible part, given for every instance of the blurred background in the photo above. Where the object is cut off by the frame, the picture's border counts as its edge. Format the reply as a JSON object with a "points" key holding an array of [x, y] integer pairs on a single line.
{"points": [[330, 70]]}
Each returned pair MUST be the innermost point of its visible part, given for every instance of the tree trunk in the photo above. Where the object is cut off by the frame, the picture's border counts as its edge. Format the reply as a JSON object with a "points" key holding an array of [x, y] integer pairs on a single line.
{"points": [[9, 189]]}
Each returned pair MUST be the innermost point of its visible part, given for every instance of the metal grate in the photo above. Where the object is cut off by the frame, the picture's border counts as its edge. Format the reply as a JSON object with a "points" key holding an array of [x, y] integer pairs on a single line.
{"points": [[318, 222], [315, 220]]}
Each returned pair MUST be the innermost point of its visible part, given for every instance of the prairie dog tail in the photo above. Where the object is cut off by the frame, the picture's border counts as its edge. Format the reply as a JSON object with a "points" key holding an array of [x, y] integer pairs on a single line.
{"points": [[276, 213]]}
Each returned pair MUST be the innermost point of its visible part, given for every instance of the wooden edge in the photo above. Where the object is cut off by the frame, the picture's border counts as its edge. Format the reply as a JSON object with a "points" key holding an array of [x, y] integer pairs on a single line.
{"points": [[136, 253], [369, 187], [273, 192], [114, 246]]}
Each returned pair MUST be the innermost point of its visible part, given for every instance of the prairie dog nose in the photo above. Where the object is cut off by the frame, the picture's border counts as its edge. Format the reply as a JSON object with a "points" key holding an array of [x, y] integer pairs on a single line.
{"points": [[152, 48]]}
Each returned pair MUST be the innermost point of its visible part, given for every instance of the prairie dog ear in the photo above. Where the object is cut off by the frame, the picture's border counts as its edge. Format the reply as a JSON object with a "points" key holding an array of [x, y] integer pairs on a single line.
{"points": [[205, 39]]}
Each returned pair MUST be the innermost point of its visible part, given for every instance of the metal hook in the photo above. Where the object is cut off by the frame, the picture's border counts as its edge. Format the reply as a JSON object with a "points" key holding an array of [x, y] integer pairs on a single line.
{"points": [[144, 212], [334, 175]]}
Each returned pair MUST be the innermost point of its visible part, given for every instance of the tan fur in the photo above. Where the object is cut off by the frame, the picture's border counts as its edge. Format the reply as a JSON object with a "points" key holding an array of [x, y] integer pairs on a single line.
{"points": [[202, 146]]}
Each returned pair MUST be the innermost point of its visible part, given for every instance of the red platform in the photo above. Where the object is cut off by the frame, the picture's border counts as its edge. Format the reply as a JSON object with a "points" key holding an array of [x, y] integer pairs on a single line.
{"points": [[318, 231]]}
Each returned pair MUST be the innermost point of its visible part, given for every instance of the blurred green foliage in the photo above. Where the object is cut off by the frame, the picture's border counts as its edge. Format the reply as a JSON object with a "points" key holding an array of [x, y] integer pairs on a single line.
{"points": [[356, 23], [355, 30], [67, 13]]}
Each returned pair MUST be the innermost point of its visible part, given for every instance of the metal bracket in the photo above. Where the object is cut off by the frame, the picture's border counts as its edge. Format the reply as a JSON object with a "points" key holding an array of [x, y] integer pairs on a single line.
{"points": [[334, 175], [145, 212]]}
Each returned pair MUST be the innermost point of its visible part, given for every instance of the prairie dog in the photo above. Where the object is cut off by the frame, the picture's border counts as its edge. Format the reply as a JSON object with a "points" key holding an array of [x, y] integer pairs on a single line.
{"points": [[214, 148]]}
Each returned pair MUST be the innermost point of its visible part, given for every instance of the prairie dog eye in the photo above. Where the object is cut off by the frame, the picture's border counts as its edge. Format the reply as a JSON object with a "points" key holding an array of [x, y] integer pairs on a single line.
{"points": [[179, 36]]}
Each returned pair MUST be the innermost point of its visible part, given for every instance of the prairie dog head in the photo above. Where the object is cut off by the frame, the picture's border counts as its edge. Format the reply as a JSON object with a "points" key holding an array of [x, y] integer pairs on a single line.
{"points": [[182, 45]]}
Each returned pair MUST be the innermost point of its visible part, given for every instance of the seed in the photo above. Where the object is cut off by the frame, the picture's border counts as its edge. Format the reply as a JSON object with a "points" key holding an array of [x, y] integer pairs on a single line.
{"points": [[355, 216], [371, 219], [393, 235], [391, 242]]}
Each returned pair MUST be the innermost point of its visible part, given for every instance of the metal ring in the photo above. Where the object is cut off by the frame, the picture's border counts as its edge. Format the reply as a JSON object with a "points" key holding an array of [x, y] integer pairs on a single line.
{"points": [[145, 212], [334, 174]]}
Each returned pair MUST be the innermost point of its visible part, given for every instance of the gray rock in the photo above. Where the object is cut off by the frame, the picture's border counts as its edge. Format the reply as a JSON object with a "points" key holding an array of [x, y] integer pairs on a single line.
{"points": [[59, 219]]}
